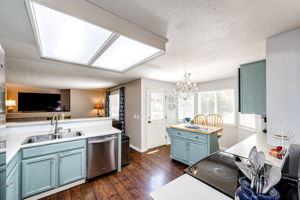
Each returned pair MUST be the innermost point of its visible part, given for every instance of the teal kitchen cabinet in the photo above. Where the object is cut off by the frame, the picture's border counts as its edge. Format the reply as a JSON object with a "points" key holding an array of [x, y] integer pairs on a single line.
{"points": [[38, 175], [252, 88], [71, 166], [13, 184], [2, 176], [50, 166], [180, 152], [189, 147], [196, 151], [13, 190]]}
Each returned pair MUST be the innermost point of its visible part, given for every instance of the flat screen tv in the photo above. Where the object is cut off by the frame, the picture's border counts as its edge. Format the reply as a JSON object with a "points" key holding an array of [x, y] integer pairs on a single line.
{"points": [[41, 102]]}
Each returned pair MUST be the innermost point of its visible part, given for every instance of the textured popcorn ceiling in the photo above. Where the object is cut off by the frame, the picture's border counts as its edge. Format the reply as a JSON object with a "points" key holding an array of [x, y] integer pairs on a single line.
{"points": [[210, 37]]}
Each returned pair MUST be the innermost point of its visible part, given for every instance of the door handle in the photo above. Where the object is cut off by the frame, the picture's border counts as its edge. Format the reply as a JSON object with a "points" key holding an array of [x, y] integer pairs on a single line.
{"points": [[102, 140]]}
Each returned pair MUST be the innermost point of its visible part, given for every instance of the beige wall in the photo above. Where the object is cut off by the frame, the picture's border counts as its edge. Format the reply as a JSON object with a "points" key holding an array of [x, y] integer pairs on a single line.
{"points": [[83, 102], [133, 112], [80, 102]]}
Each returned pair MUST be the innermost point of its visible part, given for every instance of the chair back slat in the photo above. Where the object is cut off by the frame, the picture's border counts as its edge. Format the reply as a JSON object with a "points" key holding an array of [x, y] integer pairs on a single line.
{"points": [[215, 120], [200, 120]]}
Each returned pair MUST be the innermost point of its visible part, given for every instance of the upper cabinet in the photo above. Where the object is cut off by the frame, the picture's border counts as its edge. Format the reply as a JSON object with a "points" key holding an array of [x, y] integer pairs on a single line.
{"points": [[252, 88]]}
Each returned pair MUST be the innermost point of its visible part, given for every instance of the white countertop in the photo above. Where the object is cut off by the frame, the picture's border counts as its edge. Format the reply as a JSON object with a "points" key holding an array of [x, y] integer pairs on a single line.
{"points": [[14, 141], [187, 187]]}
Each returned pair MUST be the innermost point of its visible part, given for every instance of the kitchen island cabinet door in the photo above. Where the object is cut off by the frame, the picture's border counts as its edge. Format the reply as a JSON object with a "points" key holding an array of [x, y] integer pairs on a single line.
{"points": [[71, 166], [38, 175], [179, 148], [196, 151]]}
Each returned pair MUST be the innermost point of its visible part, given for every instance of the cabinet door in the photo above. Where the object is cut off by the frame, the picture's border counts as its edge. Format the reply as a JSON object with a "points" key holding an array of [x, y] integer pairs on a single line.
{"points": [[196, 151], [13, 184], [179, 147], [38, 175], [253, 88], [2, 182], [71, 166]]}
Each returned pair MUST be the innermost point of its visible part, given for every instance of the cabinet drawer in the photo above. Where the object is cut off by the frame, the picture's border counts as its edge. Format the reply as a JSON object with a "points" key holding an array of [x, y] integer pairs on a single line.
{"points": [[180, 133], [198, 137], [53, 148]]}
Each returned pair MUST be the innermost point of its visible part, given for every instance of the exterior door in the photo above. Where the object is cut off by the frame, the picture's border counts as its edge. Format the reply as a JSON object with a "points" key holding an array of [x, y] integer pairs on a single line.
{"points": [[156, 114]]}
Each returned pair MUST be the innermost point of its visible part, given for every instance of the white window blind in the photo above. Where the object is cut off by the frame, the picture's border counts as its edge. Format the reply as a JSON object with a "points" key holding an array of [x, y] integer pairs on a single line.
{"points": [[114, 104], [185, 108], [247, 121], [220, 102]]}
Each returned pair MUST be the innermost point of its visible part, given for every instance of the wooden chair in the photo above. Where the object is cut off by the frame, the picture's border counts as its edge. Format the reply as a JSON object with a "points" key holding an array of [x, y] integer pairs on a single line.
{"points": [[200, 120], [216, 121]]}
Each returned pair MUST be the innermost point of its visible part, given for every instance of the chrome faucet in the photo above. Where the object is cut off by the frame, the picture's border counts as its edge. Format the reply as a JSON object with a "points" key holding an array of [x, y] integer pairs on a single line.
{"points": [[56, 117]]}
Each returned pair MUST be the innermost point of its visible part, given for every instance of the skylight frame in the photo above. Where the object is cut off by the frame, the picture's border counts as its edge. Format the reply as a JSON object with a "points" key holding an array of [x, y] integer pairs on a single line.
{"points": [[114, 36]]}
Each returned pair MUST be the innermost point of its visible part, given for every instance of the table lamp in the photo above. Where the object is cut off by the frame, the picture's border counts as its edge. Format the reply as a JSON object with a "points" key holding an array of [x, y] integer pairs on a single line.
{"points": [[10, 103], [99, 107]]}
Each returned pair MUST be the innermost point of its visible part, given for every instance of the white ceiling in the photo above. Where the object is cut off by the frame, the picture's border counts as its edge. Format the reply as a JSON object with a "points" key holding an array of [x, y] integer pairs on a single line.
{"points": [[210, 37]]}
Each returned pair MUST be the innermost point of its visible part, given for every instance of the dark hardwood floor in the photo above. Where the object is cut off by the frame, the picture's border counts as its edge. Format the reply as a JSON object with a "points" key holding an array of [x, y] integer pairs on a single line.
{"points": [[147, 172]]}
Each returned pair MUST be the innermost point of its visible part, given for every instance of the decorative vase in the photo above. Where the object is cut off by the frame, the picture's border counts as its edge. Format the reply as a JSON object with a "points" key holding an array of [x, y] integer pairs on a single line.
{"points": [[244, 192]]}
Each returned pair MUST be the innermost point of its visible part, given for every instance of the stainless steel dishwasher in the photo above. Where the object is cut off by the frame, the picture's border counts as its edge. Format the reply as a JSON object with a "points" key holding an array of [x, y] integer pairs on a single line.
{"points": [[102, 155]]}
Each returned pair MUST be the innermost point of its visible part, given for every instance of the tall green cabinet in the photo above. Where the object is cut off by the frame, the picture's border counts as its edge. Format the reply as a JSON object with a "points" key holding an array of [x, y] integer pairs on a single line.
{"points": [[252, 88]]}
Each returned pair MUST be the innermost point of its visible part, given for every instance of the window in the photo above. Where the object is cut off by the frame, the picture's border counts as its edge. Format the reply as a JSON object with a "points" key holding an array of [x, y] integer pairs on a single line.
{"points": [[247, 121], [185, 108], [114, 104], [220, 102], [157, 105]]}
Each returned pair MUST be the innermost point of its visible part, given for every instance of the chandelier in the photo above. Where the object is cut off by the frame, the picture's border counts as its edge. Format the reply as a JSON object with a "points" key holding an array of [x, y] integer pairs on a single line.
{"points": [[186, 89]]}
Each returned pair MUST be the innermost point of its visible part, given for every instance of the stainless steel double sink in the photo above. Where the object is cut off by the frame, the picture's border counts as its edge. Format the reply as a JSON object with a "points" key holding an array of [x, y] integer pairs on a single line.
{"points": [[49, 137]]}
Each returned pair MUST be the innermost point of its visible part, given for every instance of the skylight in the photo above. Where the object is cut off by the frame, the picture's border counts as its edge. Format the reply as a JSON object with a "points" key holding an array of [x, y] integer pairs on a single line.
{"points": [[66, 38], [128, 53]]}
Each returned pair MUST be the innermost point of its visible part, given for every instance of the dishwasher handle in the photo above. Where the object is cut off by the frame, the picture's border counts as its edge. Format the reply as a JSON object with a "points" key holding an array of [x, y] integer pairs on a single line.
{"points": [[102, 140]]}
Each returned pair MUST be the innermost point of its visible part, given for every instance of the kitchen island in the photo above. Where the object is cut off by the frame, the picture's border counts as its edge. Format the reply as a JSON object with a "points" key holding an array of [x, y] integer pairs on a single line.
{"points": [[188, 187], [189, 145]]}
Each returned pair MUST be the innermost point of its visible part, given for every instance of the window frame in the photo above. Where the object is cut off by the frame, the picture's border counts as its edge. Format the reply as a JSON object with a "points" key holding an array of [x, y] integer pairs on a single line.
{"points": [[194, 106], [234, 124], [114, 93], [247, 128]]}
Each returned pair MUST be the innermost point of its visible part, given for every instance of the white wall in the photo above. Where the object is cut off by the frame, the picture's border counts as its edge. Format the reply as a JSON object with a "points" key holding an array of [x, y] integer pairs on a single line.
{"points": [[231, 133], [283, 82]]}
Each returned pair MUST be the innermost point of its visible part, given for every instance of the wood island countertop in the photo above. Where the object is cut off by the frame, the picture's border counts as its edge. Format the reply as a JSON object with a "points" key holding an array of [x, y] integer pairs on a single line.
{"points": [[202, 129]]}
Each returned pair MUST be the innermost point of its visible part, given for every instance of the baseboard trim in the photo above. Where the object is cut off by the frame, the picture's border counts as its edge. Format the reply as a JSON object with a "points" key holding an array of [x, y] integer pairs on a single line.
{"points": [[138, 149], [56, 190]]}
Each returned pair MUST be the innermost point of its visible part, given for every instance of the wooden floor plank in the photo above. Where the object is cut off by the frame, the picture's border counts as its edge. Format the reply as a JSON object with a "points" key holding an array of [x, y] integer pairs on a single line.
{"points": [[146, 172]]}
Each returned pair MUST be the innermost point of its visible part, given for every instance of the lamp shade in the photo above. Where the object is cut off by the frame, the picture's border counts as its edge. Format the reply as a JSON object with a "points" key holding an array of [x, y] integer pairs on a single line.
{"points": [[99, 106], [10, 102]]}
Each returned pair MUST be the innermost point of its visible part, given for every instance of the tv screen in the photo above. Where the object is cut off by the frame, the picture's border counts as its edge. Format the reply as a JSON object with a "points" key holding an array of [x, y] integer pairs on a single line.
{"points": [[39, 102]]}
